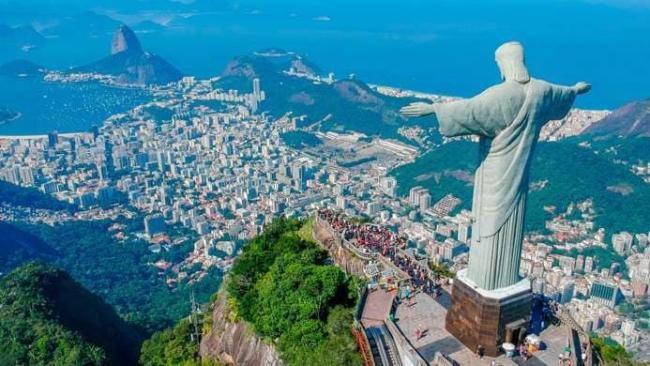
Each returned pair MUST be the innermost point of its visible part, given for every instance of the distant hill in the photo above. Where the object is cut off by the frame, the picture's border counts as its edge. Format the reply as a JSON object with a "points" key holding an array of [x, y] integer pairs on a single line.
{"points": [[47, 318], [347, 104], [21, 36], [564, 171], [147, 26], [632, 119], [20, 68], [86, 24], [131, 64], [18, 246]]}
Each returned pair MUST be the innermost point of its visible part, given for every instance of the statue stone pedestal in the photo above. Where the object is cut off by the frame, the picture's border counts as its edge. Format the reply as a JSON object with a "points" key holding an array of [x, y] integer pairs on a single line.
{"points": [[488, 318]]}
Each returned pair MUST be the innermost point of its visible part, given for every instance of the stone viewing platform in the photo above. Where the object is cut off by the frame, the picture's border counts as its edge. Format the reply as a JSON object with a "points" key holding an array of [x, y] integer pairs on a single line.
{"points": [[429, 315]]}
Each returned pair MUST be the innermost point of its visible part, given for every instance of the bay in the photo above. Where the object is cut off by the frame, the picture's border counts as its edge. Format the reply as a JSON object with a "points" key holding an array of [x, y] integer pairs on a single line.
{"points": [[73, 107]]}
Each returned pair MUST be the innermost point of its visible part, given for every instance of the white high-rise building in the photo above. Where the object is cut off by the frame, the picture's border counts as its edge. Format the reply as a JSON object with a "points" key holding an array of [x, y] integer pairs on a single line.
{"points": [[622, 242], [589, 264], [388, 185], [256, 87], [415, 195], [340, 203], [463, 232], [424, 201]]}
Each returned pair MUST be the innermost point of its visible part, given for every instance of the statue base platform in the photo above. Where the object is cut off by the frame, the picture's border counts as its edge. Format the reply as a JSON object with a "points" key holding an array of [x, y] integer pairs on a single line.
{"points": [[488, 318]]}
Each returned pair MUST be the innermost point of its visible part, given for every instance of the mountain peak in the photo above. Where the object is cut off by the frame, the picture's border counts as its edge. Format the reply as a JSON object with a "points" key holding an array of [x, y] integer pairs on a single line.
{"points": [[130, 64], [125, 40]]}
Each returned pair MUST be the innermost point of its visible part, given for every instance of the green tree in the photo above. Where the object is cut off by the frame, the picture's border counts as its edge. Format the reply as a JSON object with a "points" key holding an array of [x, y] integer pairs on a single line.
{"points": [[611, 352], [282, 285]]}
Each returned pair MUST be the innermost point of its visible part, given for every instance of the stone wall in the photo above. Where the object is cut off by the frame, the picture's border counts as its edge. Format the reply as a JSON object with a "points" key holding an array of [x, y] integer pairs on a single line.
{"points": [[342, 256]]}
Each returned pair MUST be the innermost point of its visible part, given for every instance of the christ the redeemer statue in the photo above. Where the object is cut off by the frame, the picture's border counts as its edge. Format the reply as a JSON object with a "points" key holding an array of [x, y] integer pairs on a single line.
{"points": [[507, 118]]}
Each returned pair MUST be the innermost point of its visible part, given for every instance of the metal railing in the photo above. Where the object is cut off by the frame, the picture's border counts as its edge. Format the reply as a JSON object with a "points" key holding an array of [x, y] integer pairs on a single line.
{"points": [[408, 353], [340, 240], [566, 319]]}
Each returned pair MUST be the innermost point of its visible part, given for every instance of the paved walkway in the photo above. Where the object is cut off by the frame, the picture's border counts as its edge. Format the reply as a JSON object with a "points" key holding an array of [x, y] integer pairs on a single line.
{"points": [[377, 307], [429, 315]]}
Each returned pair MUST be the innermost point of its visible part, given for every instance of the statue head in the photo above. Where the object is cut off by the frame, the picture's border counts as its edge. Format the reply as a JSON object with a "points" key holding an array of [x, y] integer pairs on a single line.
{"points": [[510, 58]]}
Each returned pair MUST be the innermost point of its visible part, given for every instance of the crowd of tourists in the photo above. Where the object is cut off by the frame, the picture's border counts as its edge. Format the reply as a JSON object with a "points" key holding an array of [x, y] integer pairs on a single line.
{"points": [[379, 239]]}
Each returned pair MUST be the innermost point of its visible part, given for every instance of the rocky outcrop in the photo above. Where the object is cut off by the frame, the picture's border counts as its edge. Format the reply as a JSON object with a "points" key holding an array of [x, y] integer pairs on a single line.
{"points": [[357, 92], [343, 258], [303, 66], [235, 342], [124, 40]]}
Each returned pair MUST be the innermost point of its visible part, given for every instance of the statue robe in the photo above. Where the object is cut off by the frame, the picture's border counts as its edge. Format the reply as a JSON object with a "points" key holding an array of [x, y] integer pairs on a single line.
{"points": [[508, 118]]}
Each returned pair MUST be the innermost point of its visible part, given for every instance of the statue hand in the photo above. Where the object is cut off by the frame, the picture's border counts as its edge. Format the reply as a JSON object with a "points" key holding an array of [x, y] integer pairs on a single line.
{"points": [[417, 109], [582, 87]]}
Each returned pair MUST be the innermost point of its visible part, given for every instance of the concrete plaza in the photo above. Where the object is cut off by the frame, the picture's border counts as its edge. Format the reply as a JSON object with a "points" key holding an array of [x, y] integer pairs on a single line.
{"points": [[429, 315]]}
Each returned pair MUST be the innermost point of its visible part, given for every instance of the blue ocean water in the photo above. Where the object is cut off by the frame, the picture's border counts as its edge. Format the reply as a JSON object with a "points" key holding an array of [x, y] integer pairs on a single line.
{"points": [[46, 106], [444, 47]]}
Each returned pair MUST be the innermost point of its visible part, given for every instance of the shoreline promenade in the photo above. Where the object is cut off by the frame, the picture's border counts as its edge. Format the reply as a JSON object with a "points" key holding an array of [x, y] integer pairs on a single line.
{"points": [[42, 136]]}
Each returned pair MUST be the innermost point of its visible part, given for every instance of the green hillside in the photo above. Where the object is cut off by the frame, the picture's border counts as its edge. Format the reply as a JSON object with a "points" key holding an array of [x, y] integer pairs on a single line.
{"points": [[121, 272], [29, 197], [282, 285], [571, 173], [347, 104], [46, 318], [18, 246], [630, 150]]}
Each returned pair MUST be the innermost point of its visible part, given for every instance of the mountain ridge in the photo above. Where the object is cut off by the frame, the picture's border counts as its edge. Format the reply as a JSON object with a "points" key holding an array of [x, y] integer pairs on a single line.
{"points": [[632, 119]]}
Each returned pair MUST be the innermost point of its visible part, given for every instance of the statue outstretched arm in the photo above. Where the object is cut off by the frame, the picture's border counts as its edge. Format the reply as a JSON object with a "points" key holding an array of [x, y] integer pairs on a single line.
{"points": [[418, 109], [560, 99], [484, 114], [578, 88], [582, 87]]}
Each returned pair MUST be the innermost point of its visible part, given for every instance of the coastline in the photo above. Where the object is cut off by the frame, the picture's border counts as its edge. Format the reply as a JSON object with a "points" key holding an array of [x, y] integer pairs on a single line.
{"points": [[379, 88], [38, 137]]}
